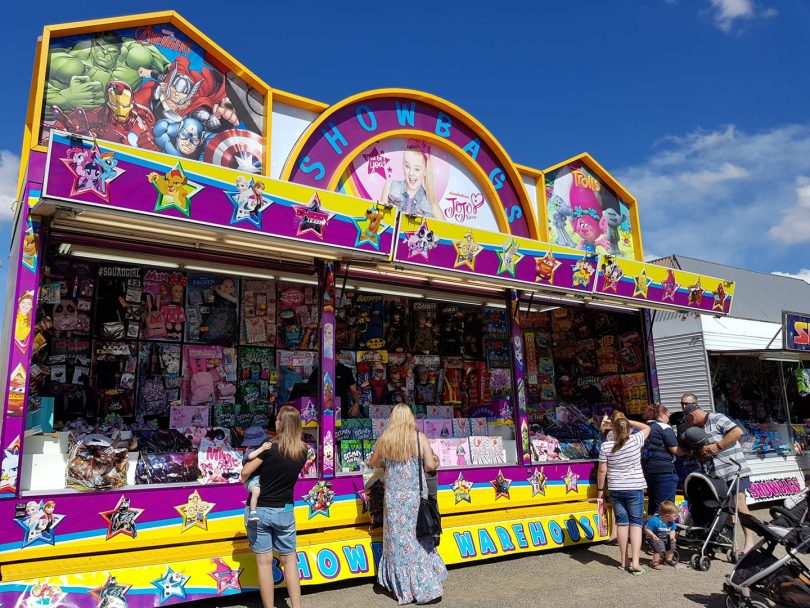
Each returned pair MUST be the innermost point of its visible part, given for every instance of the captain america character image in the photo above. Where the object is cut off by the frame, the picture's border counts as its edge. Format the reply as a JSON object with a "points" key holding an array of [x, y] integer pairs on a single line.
{"points": [[152, 88]]}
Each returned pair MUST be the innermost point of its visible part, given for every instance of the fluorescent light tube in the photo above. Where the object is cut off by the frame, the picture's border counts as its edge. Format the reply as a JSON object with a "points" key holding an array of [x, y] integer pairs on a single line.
{"points": [[301, 280], [495, 304], [99, 255], [279, 249], [390, 292], [224, 270], [128, 224]]}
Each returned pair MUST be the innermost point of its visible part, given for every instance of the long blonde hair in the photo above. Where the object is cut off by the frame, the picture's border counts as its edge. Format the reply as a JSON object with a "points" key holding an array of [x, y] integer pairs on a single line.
{"points": [[621, 430], [398, 441], [423, 148], [288, 433]]}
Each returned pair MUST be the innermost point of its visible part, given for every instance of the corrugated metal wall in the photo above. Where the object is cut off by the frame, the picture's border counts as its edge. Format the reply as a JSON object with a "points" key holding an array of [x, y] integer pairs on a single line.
{"points": [[682, 368]]}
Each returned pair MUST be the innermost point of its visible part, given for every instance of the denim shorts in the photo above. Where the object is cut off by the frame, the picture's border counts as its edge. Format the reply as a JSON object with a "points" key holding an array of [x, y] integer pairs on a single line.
{"points": [[274, 530], [628, 507], [253, 482]]}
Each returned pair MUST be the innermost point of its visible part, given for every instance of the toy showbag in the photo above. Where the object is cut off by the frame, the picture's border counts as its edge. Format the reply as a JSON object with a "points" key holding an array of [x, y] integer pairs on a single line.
{"points": [[396, 325], [217, 461], [209, 375], [453, 374], [369, 322], [400, 378], [212, 306], [426, 379], [257, 378], [298, 318], [96, 462], [371, 377], [631, 352], [473, 333], [158, 378], [607, 354], [635, 393], [68, 304], [258, 312], [114, 369], [294, 367], [451, 330], [118, 302], [310, 469], [424, 327], [163, 305], [495, 325]]}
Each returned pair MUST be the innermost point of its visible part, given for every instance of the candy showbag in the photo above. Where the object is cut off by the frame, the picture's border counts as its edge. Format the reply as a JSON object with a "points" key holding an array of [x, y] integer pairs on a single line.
{"points": [[97, 462]]}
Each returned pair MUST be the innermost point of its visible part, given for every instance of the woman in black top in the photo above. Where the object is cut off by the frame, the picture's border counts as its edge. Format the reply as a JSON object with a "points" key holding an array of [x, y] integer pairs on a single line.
{"points": [[658, 458], [274, 528]]}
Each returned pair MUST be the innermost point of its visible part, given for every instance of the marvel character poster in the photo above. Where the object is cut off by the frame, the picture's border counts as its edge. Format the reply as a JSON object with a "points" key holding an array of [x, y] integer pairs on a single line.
{"points": [[152, 87]]}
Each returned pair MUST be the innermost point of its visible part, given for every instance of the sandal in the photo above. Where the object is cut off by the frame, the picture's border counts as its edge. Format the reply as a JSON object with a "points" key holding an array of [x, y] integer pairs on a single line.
{"points": [[671, 562], [634, 572], [655, 565]]}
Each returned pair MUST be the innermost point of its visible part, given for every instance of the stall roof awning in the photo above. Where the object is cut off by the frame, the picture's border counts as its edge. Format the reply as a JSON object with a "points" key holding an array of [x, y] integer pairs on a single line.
{"points": [[770, 354], [176, 201]]}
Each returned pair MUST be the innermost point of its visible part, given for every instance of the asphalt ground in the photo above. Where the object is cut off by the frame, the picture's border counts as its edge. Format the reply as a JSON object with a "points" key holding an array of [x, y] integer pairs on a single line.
{"points": [[582, 577]]}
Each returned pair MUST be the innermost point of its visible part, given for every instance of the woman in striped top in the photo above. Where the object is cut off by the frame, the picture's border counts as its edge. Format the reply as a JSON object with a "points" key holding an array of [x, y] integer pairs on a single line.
{"points": [[620, 464]]}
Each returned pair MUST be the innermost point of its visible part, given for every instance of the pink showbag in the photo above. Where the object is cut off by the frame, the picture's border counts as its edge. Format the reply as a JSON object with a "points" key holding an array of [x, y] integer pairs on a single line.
{"points": [[382, 161]]}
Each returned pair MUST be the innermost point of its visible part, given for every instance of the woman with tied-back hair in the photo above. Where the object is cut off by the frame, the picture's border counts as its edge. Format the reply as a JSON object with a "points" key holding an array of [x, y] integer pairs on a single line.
{"points": [[274, 525], [409, 567], [620, 466]]}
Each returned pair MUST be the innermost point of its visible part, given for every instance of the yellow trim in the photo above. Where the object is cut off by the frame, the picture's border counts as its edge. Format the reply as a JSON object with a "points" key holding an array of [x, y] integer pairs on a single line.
{"points": [[39, 84], [530, 171], [442, 104], [267, 157], [624, 194], [301, 102], [475, 168]]}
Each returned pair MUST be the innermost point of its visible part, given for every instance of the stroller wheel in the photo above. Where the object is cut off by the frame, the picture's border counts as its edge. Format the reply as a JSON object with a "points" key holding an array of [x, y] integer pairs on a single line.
{"points": [[733, 557], [731, 602], [695, 562], [704, 564], [676, 556]]}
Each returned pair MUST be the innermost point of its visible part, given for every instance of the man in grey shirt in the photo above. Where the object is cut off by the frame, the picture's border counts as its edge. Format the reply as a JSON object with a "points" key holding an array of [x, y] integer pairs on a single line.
{"points": [[724, 453]]}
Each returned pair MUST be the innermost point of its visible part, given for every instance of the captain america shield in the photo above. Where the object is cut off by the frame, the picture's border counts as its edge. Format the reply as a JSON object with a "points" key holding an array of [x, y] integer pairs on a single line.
{"points": [[237, 149]]}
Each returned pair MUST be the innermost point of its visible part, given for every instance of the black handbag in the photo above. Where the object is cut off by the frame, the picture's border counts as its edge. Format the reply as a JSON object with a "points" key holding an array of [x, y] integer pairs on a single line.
{"points": [[428, 520]]}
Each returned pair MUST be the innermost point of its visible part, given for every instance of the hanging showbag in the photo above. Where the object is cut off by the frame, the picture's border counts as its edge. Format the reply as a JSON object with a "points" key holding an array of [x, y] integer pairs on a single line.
{"points": [[802, 380]]}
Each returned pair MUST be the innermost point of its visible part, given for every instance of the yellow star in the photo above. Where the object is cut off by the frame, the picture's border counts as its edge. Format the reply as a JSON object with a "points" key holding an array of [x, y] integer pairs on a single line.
{"points": [[642, 284], [194, 512], [466, 250]]}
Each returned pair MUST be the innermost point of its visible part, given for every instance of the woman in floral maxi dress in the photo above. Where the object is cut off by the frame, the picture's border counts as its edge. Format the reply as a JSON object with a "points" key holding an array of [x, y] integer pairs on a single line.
{"points": [[410, 567]]}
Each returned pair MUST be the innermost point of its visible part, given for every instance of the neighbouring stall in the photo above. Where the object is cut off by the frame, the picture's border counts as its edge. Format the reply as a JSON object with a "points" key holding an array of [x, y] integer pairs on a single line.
{"points": [[198, 249], [749, 366]]}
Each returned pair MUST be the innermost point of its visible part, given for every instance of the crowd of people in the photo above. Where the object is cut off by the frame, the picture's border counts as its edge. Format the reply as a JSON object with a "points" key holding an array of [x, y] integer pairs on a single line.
{"points": [[634, 457]]}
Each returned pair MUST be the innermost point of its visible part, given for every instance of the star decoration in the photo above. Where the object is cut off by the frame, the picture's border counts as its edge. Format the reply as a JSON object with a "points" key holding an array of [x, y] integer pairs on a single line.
{"points": [[312, 217], [538, 481], [670, 286], [194, 512], [248, 202], [39, 523], [466, 250], [501, 485], [461, 489], [121, 519], [44, 595], [583, 271], [320, 498], [174, 190], [225, 576], [172, 584], [508, 257], [92, 170], [612, 275], [546, 267], [695, 294], [371, 233], [642, 284], [111, 593], [719, 298], [571, 480], [421, 241], [361, 494], [378, 163]]}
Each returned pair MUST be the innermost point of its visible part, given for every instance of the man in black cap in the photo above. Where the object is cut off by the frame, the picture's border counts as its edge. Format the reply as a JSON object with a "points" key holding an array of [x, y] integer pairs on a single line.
{"points": [[723, 453]]}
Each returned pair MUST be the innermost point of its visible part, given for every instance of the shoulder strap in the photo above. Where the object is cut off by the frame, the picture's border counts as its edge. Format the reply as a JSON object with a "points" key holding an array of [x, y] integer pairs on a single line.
{"points": [[419, 452]]}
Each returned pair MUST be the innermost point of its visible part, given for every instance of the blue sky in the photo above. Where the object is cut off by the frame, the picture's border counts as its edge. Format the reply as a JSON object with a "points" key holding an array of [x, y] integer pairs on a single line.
{"points": [[699, 107]]}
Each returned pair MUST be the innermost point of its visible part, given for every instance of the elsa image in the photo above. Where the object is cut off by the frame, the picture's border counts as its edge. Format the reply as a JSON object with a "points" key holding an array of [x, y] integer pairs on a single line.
{"points": [[414, 195]]}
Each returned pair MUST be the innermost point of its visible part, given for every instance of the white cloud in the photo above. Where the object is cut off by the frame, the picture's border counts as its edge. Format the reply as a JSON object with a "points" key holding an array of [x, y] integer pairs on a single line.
{"points": [[9, 172], [726, 195], [803, 274], [727, 14]]}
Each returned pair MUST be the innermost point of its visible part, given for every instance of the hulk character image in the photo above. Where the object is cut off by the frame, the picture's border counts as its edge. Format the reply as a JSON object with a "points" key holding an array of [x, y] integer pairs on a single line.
{"points": [[78, 75]]}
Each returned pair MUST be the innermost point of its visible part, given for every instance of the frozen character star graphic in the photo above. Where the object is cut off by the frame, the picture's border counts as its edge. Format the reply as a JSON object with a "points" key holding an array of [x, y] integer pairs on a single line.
{"points": [[414, 195]]}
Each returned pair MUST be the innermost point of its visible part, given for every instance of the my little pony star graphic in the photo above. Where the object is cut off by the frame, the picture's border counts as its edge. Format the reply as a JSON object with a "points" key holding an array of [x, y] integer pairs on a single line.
{"points": [[38, 520], [421, 241], [248, 201], [374, 228], [320, 498], [92, 170], [174, 189], [312, 218]]}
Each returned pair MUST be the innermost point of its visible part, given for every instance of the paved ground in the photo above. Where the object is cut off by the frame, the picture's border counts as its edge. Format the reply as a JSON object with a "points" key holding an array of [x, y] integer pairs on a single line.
{"points": [[578, 577]]}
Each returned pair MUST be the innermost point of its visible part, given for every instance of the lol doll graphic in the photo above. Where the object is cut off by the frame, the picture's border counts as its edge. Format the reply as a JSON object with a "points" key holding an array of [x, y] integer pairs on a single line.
{"points": [[414, 195]]}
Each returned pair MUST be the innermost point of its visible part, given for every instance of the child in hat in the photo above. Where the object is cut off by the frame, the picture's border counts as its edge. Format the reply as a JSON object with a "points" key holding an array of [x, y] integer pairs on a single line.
{"points": [[254, 435]]}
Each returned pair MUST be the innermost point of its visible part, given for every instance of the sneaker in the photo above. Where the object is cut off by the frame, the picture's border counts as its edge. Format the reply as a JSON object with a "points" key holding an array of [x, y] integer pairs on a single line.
{"points": [[253, 516]]}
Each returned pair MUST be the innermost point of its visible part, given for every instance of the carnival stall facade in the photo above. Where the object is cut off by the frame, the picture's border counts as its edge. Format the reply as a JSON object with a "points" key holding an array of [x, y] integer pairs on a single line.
{"points": [[194, 248]]}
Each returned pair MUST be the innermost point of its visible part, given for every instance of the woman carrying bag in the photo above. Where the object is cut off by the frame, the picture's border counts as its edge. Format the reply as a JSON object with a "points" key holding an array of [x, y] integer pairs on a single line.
{"points": [[409, 567]]}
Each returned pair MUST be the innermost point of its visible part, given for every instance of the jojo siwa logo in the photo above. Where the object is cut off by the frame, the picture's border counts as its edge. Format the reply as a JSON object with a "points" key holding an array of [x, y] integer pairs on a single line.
{"points": [[378, 163], [462, 210]]}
